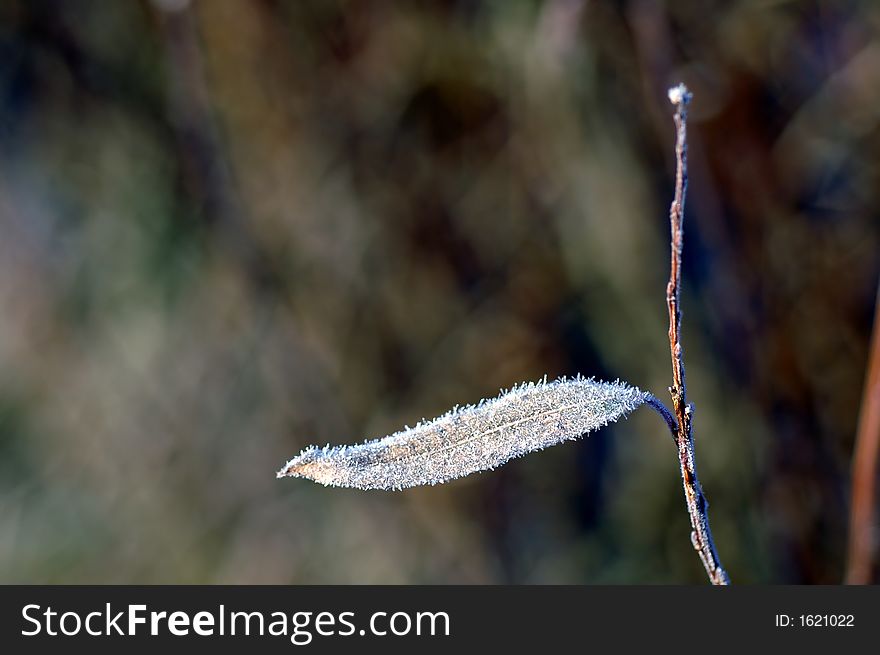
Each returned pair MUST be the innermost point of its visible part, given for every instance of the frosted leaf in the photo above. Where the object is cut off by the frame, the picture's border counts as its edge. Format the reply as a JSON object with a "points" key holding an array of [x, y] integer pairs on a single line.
{"points": [[474, 438]]}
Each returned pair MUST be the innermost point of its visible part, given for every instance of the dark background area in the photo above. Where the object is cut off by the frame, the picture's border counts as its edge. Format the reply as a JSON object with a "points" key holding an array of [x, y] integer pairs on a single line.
{"points": [[232, 229]]}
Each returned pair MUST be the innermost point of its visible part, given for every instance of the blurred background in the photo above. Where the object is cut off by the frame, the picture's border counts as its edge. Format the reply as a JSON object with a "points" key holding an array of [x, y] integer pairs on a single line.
{"points": [[233, 229]]}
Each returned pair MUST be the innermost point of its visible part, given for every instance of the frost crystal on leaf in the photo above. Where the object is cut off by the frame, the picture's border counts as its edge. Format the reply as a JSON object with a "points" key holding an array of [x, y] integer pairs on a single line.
{"points": [[474, 438]]}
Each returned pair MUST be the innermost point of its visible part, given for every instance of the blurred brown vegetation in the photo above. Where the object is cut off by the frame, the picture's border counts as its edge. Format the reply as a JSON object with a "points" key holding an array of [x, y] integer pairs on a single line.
{"points": [[231, 229]]}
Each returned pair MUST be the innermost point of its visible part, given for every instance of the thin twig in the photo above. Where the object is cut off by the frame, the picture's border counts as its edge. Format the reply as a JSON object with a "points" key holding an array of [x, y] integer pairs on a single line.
{"points": [[864, 473], [701, 535]]}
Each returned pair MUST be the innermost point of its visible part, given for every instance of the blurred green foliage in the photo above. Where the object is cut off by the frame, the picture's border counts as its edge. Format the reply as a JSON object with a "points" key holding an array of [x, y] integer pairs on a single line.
{"points": [[231, 229]]}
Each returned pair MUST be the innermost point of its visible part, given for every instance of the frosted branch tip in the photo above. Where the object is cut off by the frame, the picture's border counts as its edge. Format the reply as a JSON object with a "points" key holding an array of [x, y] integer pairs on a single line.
{"points": [[679, 95]]}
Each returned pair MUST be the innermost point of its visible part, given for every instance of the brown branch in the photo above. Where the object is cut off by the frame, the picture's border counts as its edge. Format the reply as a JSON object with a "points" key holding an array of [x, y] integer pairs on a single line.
{"points": [[701, 535], [864, 472]]}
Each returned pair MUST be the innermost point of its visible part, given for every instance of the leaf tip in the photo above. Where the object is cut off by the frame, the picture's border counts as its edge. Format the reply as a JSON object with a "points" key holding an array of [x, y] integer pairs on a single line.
{"points": [[309, 464]]}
